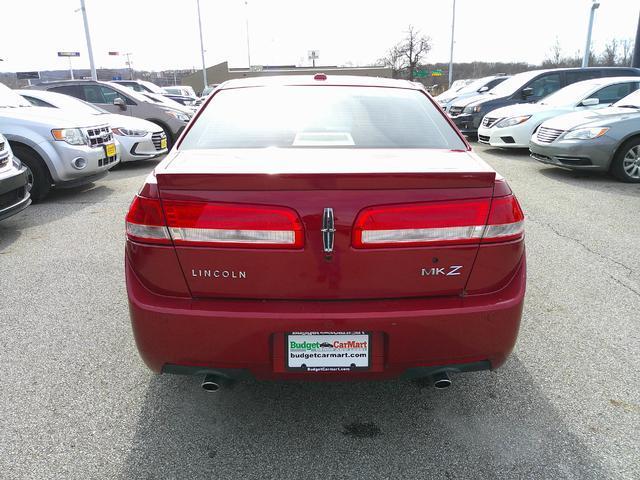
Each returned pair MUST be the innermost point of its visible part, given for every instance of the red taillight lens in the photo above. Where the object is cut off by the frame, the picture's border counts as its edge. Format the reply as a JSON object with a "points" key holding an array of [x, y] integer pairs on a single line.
{"points": [[506, 221], [145, 222], [439, 223], [435, 223], [231, 225]]}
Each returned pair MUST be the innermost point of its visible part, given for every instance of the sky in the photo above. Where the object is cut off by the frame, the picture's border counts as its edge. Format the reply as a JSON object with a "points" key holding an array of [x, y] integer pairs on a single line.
{"points": [[163, 34]]}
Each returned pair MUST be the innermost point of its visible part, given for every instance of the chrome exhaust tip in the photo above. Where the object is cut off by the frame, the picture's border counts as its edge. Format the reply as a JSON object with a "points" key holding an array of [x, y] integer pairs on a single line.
{"points": [[441, 380], [211, 383]]}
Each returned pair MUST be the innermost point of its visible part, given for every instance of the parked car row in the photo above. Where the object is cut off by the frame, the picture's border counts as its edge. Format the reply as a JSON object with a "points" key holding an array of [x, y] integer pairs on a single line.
{"points": [[579, 118], [65, 134]]}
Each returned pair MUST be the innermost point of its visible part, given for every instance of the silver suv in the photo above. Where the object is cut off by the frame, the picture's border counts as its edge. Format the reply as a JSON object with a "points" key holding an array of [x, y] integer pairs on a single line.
{"points": [[58, 148], [120, 99]]}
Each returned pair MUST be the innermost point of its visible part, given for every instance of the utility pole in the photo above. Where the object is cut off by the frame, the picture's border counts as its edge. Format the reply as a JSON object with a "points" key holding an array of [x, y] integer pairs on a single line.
{"points": [[453, 27], [587, 48], [246, 4], [204, 66], [94, 75], [636, 49], [128, 55]]}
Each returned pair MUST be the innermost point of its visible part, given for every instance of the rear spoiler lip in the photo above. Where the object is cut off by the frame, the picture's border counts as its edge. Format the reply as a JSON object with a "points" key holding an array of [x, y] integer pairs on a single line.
{"points": [[324, 181]]}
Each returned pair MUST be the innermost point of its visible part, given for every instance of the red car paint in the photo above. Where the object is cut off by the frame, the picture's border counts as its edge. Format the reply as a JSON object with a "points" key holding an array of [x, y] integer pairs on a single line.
{"points": [[211, 304]]}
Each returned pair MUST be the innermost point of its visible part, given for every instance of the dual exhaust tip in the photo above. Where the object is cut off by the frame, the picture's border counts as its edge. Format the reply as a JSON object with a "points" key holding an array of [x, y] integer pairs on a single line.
{"points": [[213, 382]]}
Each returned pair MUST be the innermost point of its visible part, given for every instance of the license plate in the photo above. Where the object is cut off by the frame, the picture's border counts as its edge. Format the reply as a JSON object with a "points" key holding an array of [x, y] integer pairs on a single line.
{"points": [[110, 148], [163, 143], [328, 351]]}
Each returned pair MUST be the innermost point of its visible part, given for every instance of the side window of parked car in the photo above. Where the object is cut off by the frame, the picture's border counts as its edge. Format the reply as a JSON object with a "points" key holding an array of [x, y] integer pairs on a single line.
{"points": [[93, 94], [72, 90], [36, 102], [110, 95], [545, 85], [580, 75], [613, 93]]}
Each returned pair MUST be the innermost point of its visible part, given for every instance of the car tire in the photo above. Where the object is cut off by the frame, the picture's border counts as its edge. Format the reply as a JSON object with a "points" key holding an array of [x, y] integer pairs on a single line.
{"points": [[626, 162], [39, 180]]}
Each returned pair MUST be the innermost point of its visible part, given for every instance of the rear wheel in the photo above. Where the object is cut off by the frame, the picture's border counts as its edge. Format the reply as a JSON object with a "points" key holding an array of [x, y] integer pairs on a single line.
{"points": [[626, 163], [38, 179]]}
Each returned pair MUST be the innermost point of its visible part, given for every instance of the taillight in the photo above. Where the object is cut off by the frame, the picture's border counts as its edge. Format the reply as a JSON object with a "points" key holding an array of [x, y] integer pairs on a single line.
{"points": [[233, 225], [145, 222], [506, 221], [439, 223]]}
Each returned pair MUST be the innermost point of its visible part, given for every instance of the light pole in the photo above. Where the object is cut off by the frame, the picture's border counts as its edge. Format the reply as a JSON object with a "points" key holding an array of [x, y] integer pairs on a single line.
{"points": [[587, 48], [246, 4], [94, 75], [453, 27], [204, 66]]}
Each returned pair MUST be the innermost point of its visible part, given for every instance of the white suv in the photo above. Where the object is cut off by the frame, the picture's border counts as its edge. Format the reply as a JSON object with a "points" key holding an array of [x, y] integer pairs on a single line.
{"points": [[58, 149]]}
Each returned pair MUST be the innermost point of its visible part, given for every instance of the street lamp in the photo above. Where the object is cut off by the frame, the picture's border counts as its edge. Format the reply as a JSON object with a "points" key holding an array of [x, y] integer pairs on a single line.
{"points": [[587, 48], [453, 26], [204, 66], [128, 62], [94, 75]]}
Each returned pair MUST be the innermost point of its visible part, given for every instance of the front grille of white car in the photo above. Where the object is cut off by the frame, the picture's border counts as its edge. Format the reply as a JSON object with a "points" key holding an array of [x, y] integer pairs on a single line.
{"points": [[489, 121], [548, 135], [99, 136], [4, 155], [157, 137]]}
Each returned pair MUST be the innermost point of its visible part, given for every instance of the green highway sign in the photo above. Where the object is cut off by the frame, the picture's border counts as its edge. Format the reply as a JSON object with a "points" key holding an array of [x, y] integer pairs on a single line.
{"points": [[419, 73]]}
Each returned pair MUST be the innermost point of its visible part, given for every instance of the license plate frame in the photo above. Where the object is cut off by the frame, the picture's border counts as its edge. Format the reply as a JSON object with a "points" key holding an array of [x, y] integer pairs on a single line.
{"points": [[110, 150], [328, 363]]}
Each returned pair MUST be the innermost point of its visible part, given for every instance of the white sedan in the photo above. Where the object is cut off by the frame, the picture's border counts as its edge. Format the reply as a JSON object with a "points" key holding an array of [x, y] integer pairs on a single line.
{"points": [[512, 126], [139, 139]]}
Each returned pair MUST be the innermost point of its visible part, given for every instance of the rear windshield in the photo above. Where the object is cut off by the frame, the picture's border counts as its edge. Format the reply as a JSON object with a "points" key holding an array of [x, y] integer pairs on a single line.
{"points": [[321, 116]]}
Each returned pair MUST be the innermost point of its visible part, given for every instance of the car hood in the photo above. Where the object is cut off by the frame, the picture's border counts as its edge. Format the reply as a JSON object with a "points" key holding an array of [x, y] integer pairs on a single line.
{"points": [[116, 120], [603, 116], [51, 117], [525, 109], [474, 100]]}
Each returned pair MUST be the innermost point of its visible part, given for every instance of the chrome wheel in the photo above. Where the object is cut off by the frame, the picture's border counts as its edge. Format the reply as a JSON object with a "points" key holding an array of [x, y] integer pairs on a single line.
{"points": [[631, 162]]}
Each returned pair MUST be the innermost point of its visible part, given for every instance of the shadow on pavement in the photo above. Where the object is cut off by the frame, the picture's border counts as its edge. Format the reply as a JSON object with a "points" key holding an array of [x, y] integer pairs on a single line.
{"points": [[511, 154], [487, 425], [132, 169], [599, 181]]}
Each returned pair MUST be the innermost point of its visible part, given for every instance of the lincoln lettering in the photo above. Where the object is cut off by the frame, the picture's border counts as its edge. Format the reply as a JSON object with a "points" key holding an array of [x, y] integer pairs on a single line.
{"points": [[235, 274]]}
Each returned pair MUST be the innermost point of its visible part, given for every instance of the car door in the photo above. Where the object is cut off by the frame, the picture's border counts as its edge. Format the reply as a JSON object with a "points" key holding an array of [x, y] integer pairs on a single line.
{"points": [[104, 97]]}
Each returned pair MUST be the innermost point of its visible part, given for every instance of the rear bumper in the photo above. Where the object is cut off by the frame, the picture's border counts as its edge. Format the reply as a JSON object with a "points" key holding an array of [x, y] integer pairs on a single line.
{"points": [[410, 337]]}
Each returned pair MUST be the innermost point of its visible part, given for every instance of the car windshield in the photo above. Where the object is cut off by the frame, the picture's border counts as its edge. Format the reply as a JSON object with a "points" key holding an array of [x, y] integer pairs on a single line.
{"points": [[569, 95], [10, 99], [630, 101], [152, 87], [513, 84], [328, 116], [475, 85]]}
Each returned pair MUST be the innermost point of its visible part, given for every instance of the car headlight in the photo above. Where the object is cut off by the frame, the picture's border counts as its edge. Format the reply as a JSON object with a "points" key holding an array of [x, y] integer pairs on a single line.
{"points": [[585, 133], [511, 121], [129, 132], [474, 109], [183, 117], [73, 136]]}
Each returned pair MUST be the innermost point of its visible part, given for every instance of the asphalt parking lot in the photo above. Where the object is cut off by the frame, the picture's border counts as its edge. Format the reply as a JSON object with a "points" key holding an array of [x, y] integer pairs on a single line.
{"points": [[77, 402]]}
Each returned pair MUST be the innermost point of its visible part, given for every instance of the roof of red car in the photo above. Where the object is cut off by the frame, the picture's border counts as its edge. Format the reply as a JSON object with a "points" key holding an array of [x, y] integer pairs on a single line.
{"points": [[320, 79]]}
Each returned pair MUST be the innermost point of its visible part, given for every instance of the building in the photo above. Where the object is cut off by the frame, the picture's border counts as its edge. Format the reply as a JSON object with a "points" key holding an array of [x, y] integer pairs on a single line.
{"points": [[221, 72]]}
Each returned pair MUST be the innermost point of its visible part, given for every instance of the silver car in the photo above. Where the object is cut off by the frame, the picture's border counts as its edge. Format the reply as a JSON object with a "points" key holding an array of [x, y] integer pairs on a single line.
{"points": [[139, 139], [120, 99], [602, 140]]}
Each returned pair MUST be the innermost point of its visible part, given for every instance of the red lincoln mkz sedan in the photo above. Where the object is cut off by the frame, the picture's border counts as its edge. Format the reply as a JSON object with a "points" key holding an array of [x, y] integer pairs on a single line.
{"points": [[324, 228]]}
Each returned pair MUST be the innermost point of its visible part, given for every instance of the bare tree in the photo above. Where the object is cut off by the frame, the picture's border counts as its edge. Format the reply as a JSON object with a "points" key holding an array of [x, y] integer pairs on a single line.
{"points": [[413, 48], [408, 53], [610, 53], [554, 58], [393, 60], [627, 51]]}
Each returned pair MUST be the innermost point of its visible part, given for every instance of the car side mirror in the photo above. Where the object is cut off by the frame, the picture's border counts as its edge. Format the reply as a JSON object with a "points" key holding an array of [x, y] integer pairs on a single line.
{"points": [[590, 102], [483, 89], [527, 92], [120, 103]]}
